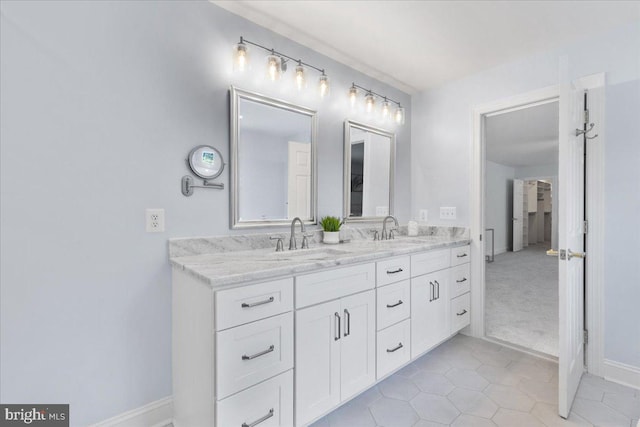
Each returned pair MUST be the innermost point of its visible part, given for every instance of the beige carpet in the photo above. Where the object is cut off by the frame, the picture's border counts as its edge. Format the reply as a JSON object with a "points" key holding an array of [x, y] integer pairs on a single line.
{"points": [[522, 299]]}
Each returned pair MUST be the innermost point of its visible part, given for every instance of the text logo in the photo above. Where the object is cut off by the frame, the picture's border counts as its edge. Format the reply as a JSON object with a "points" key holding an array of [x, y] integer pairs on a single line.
{"points": [[39, 415]]}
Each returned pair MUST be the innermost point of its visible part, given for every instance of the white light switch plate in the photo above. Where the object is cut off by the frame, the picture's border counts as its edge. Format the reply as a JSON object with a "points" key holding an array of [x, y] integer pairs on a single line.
{"points": [[154, 220], [423, 215], [447, 213]]}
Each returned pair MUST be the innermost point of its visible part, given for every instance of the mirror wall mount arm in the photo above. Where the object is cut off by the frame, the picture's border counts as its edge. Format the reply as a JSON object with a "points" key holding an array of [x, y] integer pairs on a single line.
{"points": [[187, 185]]}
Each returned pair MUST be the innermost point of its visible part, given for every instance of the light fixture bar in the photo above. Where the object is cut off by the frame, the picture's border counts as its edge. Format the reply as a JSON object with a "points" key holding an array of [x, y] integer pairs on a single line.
{"points": [[386, 98], [275, 52]]}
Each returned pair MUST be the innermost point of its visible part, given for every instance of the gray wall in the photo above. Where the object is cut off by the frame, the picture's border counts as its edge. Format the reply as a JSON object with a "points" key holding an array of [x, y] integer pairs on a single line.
{"points": [[101, 102], [442, 130]]}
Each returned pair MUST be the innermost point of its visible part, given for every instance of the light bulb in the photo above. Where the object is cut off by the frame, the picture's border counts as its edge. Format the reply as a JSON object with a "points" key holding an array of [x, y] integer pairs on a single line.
{"points": [[385, 110], [241, 57], [323, 85], [301, 80], [369, 102], [353, 96], [273, 67], [399, 116]]}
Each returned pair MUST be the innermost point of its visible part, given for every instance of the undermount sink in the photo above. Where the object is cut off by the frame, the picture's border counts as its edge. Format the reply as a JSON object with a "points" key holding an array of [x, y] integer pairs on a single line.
{"points": [[311, 254]]}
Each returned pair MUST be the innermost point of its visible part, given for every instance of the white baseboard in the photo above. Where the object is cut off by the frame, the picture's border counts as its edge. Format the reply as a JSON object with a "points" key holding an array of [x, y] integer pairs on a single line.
{"points": [[154, 414], [622, 374]]}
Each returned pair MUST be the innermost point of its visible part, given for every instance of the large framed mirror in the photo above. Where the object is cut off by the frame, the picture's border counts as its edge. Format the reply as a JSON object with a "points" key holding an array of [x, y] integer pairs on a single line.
{"points": [[369, 161], [273, 161]]}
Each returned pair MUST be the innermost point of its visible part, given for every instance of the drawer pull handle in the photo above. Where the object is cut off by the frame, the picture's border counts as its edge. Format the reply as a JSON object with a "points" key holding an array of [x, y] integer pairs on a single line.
{"points": [[262, 353], [398, 347], [394, 305], [338, 321], [259, 420], [432, 291], [399, 270], [254, 304], [462, 313], [464, 279], [461, 255], [347, 323], [438, 289]]}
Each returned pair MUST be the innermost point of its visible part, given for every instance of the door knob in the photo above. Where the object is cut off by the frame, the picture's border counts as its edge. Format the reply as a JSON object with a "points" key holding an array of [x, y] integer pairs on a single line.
{"points": [[575, 254], [552, 252]]}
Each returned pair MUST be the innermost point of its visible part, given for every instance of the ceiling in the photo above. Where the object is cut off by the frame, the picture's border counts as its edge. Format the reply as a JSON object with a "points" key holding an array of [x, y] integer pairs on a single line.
{"points": [[416, 45], [525, 137]]}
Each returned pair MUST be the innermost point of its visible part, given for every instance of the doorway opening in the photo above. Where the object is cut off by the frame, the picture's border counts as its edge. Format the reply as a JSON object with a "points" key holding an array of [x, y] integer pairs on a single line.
{"points": [[521, 178]]}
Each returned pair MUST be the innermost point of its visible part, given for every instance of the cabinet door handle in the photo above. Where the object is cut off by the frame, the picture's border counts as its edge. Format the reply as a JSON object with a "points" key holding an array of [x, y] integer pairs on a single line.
{"points": [[254, 304], [438, 288], [431, 291], [461, 255], [337, 337], [394, 305], [462, 313], [262, 353], [347, 323], [399, 270], [396, 348], [259, 420], [464, 279]]}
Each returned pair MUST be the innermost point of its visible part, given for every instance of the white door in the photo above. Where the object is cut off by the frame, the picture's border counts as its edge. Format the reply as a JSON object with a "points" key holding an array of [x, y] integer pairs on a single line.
{"points": [[358, 343], [317, 370], [518, 204], [429, 310], [571, 240], [299, 180]]}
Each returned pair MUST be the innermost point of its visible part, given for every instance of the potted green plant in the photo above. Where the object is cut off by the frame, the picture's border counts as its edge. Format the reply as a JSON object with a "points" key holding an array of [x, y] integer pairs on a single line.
{"points": [[331, 227]]}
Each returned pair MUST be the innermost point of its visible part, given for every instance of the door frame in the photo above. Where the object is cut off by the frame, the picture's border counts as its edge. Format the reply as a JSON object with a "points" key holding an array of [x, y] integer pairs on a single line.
{"points": [[595, 211]]}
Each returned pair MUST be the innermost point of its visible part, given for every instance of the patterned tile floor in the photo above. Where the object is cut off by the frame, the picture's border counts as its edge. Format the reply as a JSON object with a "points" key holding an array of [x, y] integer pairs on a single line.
{"points": [[472, 382]]}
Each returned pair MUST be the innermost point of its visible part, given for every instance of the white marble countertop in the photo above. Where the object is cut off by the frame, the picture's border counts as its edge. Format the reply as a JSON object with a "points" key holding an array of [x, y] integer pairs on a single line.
{"points": [[231, 268]]}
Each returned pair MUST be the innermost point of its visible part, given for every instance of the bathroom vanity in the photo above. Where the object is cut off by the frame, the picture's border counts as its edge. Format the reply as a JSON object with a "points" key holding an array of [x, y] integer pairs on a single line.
{"points": [[265, 338]]}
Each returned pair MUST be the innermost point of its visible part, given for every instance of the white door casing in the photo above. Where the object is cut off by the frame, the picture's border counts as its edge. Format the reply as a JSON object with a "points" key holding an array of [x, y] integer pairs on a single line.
{"points": [[518, 200]]}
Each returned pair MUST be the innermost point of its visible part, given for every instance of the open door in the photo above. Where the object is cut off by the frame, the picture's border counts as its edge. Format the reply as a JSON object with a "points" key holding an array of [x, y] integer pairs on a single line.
{"points": [[571, 241], [299, 180], [518, 213]]}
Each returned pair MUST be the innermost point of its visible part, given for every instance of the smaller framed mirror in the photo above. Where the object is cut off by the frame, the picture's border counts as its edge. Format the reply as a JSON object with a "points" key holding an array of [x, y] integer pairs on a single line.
{"points": [[206, 162], [369, 161]]}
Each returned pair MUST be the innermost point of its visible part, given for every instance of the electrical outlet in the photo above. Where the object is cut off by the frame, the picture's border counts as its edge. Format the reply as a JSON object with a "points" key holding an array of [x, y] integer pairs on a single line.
{"points": [[447, 213], [155, 220], [423, 215]]}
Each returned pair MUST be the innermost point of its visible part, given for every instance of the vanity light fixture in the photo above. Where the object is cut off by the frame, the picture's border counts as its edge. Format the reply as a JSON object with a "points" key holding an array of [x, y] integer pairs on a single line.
{"points": [[370, 102], [277, 64]]}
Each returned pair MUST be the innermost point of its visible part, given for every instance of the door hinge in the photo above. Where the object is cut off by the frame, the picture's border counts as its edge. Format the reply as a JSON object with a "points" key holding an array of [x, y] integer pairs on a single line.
{"points": [[586, 336], [585, 117], [585, 227]]}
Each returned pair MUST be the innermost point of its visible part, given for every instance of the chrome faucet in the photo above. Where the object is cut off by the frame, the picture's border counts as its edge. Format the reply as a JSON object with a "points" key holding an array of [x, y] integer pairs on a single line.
{"points": [[292, 240], [386, 236]]}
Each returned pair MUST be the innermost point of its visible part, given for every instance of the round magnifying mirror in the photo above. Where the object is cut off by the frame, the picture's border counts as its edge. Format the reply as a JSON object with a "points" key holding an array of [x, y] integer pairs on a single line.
{"points": [[206, 162]]}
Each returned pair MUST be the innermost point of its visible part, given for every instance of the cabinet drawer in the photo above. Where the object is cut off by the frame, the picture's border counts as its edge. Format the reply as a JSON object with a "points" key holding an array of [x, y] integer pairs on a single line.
{"points": [[460, 255], [251, 353], [427, 262], [249, 303], [459, 280], [460, 316], [270, 401], [393, 270], [393, 303], [327, 285], [393, 348]]}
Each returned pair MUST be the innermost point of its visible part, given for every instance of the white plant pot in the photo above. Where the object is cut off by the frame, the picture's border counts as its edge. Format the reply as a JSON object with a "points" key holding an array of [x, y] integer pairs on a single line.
{"points": [[331, 237]]}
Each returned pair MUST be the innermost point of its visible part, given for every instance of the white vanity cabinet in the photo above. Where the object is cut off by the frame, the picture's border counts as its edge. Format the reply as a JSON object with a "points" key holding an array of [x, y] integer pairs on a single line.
{"points": [[460, 287], [429, 310], [335, 342]]}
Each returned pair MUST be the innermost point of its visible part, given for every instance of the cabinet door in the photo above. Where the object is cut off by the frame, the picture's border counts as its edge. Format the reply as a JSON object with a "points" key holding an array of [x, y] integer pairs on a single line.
{"points": [[358, 343], [429, 311], [317, 370]]}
